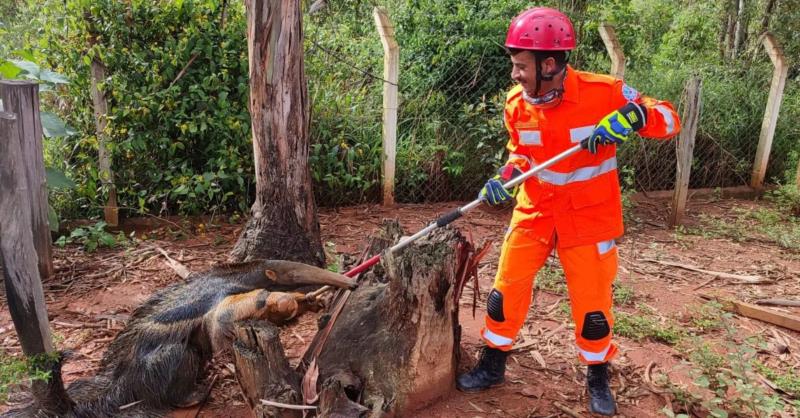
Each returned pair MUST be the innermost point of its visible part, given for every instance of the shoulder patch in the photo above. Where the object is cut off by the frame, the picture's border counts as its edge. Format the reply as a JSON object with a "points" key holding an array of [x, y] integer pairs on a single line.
{"points": [[629, 93]]}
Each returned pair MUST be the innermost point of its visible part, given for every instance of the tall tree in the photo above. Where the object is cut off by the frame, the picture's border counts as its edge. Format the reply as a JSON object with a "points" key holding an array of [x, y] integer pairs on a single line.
{"points": [[283, 222]]}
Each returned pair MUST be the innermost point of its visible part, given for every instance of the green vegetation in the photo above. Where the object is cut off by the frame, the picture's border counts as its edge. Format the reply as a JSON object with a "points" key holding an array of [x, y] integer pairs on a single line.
{"points": [[551, 279], [725, 382], [786, 380], [708, 317], [764, 224], [623, 294], [644, 325], [93, 237], [16, 372], [177, 83]]}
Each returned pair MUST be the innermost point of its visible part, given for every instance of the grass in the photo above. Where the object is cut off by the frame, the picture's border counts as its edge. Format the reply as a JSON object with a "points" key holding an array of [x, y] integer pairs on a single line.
{"points": [[17, 372], [786, 380], [644, 325], [708, 317], [551, 279], [776, 225], [623, 294]]}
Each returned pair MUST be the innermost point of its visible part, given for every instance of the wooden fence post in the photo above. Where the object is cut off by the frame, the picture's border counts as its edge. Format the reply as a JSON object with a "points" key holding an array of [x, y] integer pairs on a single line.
{"points": [[100, 104], [614, 49], [391, 70], [775, 53], [685, 148], [19, 266], [21, 98]]}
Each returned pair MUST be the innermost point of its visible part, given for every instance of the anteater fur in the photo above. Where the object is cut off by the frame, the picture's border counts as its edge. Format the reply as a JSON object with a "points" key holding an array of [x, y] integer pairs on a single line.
{"points": [[156, 362]]}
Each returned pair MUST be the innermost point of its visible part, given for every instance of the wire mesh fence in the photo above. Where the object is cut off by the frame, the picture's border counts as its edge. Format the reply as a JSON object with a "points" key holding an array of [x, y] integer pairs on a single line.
{"points": [[450, 133]]}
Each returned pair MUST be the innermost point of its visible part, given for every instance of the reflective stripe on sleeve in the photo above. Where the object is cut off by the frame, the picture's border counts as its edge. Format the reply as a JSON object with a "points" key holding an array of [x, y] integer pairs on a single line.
{"points": [[581, 174], [594, 356], [530, 137], [577, 134], [497, 340], [667, 115], [605, 246]]}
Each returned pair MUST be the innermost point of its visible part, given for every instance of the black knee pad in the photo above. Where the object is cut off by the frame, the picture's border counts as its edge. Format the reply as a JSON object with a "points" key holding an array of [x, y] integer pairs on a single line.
{"points": [[595, 326], [494, 306]]}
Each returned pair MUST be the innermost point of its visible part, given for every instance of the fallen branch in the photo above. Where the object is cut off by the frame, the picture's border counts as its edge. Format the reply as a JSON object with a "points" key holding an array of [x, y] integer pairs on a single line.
{"points": [[288, 406], [566, 410], [780, 319], [778, 302], [740, 277], [179, 268], [705, 283]]}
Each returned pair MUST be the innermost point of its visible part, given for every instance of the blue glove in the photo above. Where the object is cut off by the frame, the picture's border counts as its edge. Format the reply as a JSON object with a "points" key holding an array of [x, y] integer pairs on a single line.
{"points": [[617, 126], [494, 192]]}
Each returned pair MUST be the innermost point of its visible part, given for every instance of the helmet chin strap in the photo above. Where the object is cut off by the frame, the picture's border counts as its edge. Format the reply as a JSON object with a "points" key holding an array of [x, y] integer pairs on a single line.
{"points": [[551, 95]]}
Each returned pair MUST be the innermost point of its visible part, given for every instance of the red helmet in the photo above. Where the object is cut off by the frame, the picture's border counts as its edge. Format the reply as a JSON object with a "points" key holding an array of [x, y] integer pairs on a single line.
{"points": [[541, 29]]}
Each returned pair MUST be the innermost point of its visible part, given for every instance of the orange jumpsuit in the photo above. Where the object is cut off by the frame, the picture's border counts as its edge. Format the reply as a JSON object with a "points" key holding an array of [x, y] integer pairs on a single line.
{"points": [[573, 206]]}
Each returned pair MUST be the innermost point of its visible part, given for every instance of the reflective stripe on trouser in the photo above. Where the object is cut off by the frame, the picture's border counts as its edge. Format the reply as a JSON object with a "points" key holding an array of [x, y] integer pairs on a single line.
{"points": [[590, 272]]}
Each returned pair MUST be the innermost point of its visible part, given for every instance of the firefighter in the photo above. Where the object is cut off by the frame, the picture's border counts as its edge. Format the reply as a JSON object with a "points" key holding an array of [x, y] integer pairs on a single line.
{"points": [[573, 206]]}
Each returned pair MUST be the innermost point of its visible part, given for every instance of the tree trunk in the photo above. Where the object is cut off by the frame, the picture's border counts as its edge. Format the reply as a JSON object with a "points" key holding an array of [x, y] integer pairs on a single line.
{"points": [[21, 275], [100, 104], [263, 371], [730, 32], [741, 27], [283, 223], [394, 347], [22, 99]]}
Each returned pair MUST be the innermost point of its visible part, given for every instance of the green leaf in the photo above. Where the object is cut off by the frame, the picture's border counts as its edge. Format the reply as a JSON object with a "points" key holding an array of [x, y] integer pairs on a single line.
{"points": [[57, 179], [52, 219], [53, 77], [29, 67], [53, 126], [702, 381], [719, 413], [108, 240], [27, 55], [9, 70]]}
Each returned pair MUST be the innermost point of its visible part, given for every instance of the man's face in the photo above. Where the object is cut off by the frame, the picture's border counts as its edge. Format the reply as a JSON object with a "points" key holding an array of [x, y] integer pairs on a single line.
{"points": [[523, 71]]}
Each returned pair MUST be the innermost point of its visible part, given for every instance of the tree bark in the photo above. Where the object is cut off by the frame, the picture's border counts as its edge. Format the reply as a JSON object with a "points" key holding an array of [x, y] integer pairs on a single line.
{"points": [[730, 32], [110, 210], [21, 275], [394, 347], [263, 371], [22, 98], [283, 223], [741, 27]]}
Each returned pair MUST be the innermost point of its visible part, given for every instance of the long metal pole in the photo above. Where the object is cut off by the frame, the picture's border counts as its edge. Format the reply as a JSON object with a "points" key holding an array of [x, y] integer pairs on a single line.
{"points": [[451, 216]]}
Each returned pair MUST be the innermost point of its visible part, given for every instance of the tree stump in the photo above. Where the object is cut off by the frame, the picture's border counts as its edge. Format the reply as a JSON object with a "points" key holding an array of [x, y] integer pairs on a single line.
{"points": [[394, 346], [263, 371]]}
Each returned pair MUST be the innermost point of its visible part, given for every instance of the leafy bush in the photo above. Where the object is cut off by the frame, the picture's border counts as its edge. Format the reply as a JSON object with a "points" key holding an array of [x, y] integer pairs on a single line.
{"points": [[178, 86], [177, 89], [92, 237]]}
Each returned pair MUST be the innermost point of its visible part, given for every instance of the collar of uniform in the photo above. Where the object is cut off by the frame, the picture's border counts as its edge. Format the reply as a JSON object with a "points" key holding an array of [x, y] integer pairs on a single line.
{"points": [[571, 85]]}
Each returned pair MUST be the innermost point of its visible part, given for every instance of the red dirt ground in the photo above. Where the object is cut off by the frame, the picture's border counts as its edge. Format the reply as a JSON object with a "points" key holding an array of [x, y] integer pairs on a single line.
{"points": [[92, 295]]}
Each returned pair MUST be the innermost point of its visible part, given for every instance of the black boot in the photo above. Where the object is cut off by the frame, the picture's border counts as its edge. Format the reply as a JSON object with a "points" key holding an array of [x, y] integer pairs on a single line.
{"points": [[601, 401], [490, 371]]}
